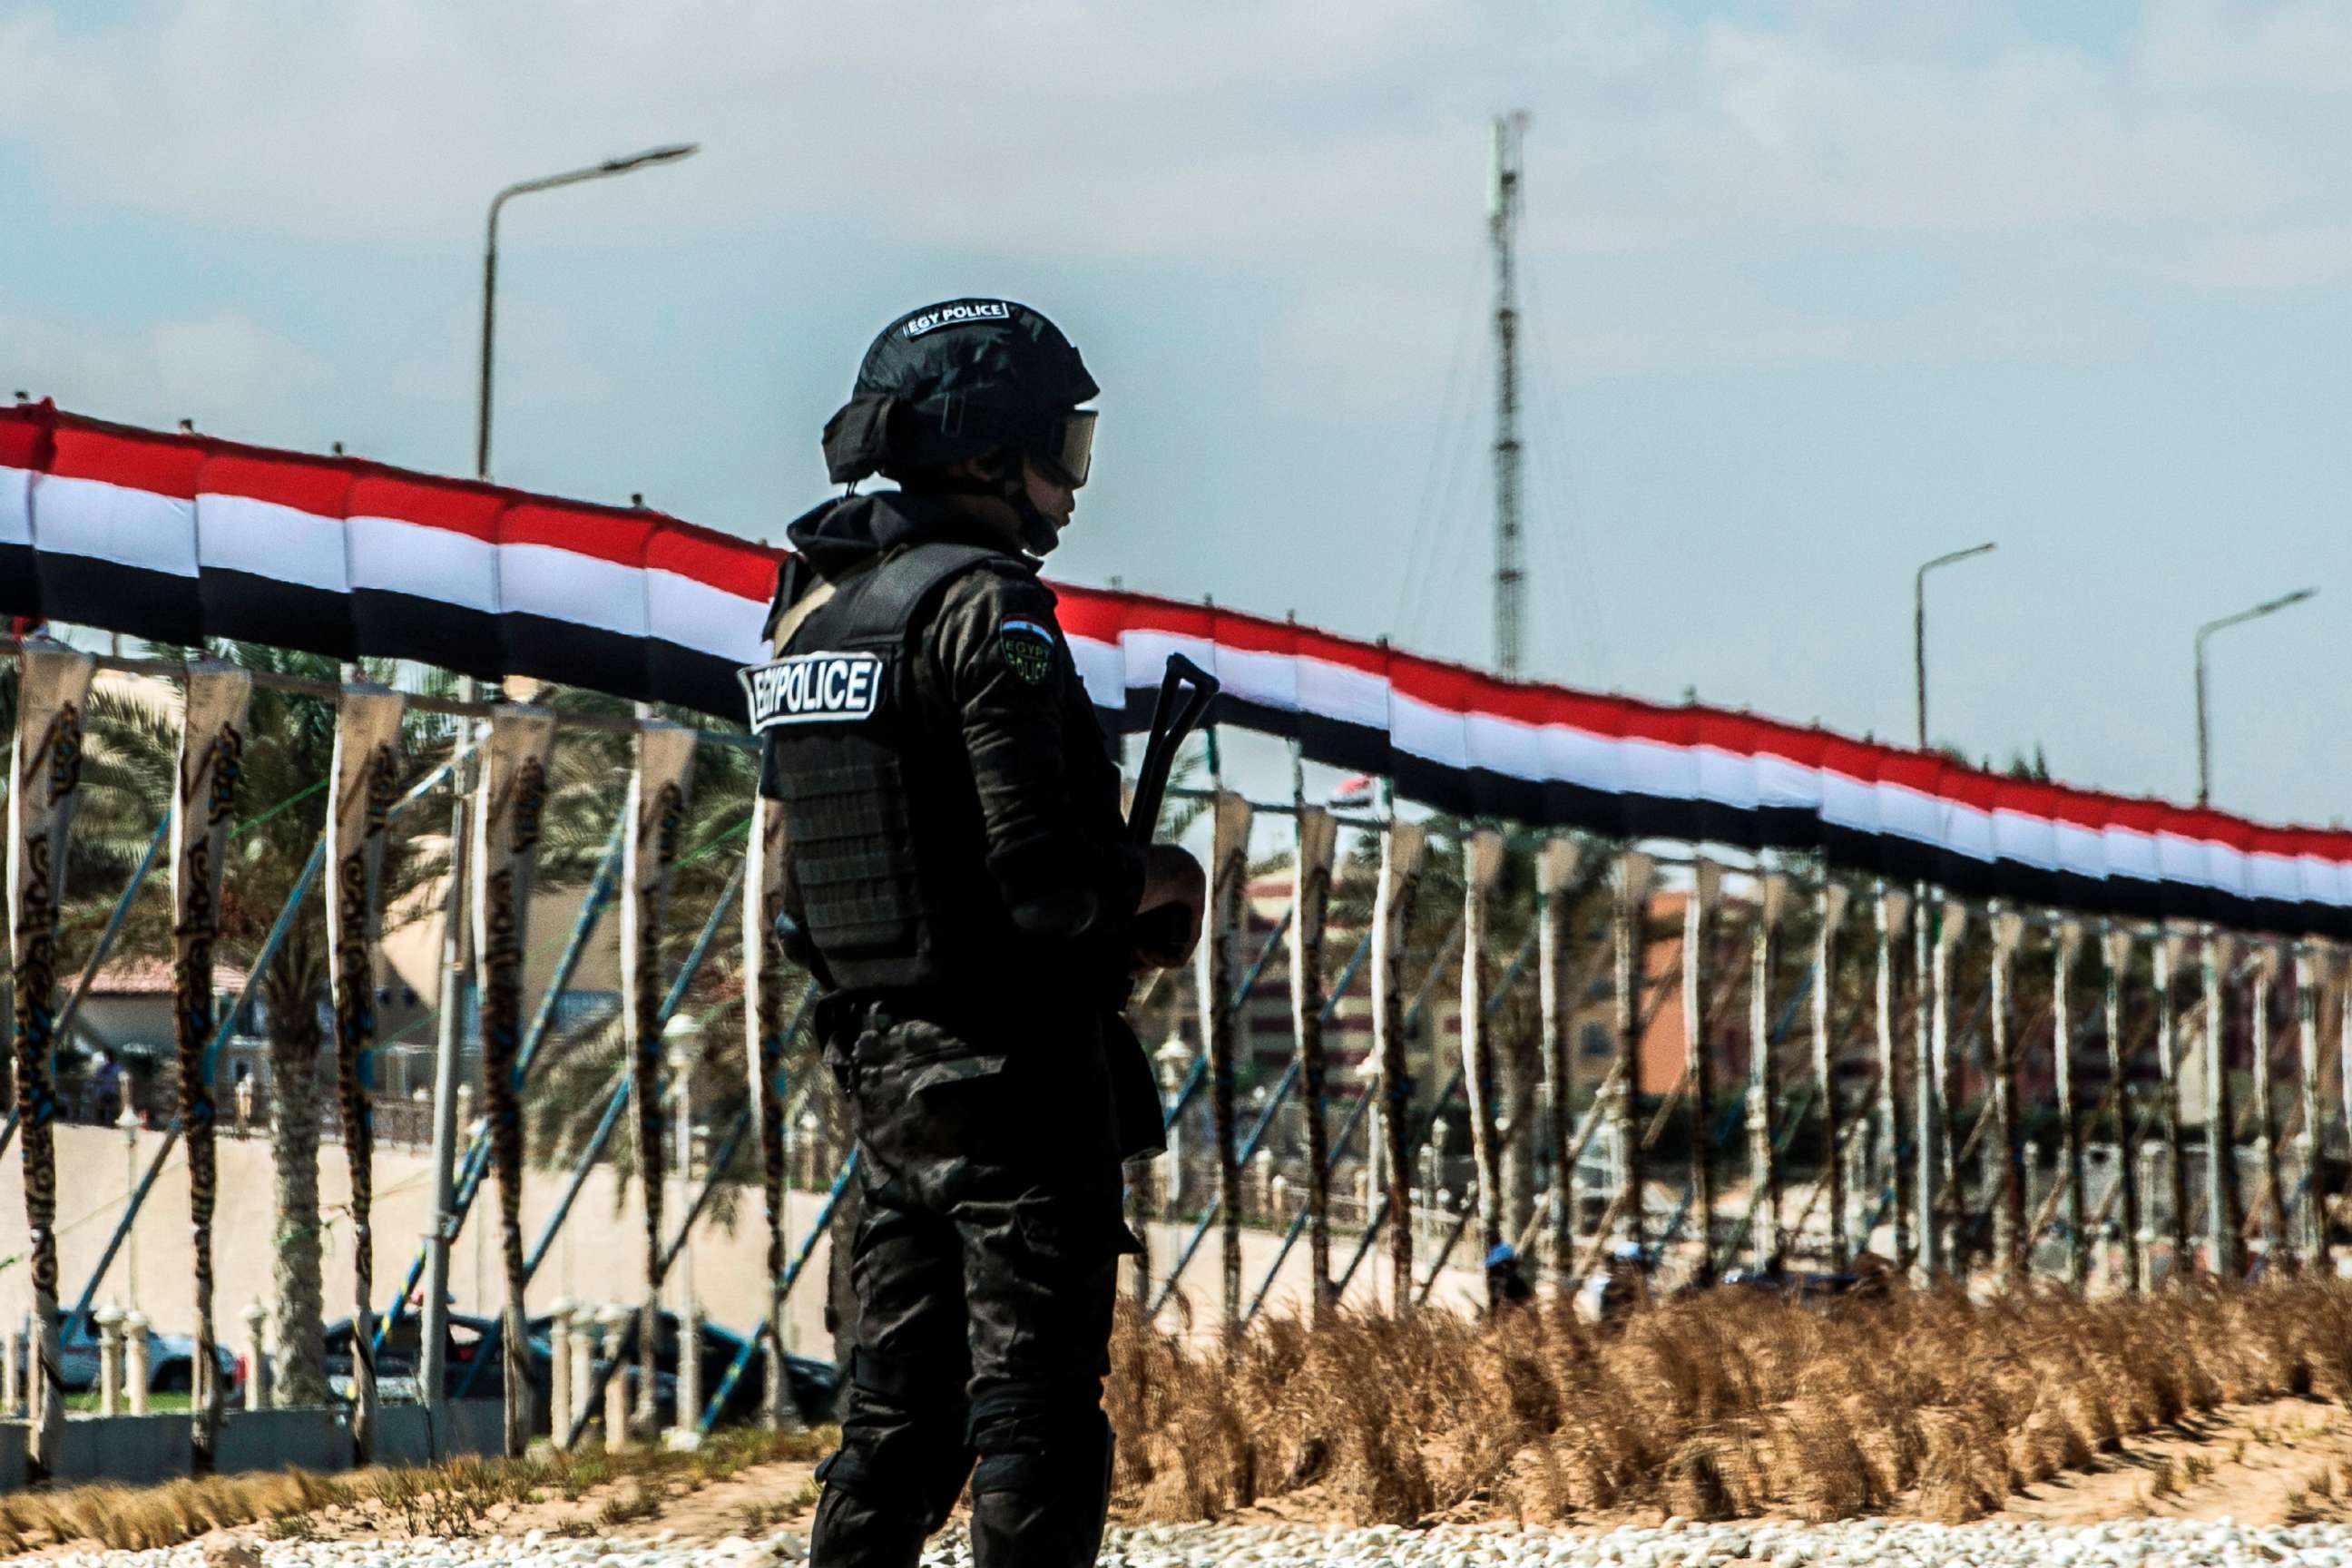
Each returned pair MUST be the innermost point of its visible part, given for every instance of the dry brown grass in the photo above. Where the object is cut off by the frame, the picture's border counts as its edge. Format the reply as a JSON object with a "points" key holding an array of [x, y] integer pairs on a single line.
{"points": [[1713, 1406], [458, 1497], [129, 1518]]}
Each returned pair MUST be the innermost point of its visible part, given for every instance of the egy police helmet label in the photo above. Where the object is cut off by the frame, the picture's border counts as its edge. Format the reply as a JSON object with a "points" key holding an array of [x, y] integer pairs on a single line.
{"points": [[813, 688], [957, 315]]}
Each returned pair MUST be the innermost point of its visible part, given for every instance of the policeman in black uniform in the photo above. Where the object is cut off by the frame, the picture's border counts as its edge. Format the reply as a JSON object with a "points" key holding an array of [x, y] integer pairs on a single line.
{"points": [[962, 886]]}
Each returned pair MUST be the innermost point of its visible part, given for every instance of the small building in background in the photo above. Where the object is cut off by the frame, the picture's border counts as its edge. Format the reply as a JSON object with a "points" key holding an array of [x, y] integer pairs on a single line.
{"points": [[124, 1025]]}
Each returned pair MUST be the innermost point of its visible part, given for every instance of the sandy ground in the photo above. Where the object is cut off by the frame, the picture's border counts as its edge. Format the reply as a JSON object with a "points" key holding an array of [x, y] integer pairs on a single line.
{"points": [[2282, 1462], [756, 1501], [2279, 1463]]}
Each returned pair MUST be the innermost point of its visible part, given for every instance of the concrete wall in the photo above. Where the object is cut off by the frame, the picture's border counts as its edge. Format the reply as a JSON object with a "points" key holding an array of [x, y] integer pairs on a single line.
{"points": [[141, 1450], [598, 1258]]}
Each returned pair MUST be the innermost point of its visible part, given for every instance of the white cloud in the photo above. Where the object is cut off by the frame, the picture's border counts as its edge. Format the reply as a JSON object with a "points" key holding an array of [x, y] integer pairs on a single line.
{"points": [[536, 346], [1199, 131], [1710, 186], [2274, 262], [218, 370], [1328, 149]]}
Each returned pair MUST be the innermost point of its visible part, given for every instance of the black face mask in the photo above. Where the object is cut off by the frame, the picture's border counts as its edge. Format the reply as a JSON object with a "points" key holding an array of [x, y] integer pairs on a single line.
{"points": [[1035, 533], [1068, 460], [1039, 533]]}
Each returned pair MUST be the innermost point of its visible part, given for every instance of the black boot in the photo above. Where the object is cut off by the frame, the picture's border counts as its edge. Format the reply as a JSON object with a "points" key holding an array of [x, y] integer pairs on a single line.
{"points": [[854, 1532], [1044, 1506]]}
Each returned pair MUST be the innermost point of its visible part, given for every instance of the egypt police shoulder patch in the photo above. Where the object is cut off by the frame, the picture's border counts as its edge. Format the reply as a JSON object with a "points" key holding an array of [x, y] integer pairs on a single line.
{"points": [[1028, 649]]}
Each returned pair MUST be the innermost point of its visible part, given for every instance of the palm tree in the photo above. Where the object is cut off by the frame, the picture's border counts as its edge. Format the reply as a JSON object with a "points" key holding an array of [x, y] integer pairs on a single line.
{"points": [[129, 780], [584, 793], [588, 1079], [1516, 1027]]}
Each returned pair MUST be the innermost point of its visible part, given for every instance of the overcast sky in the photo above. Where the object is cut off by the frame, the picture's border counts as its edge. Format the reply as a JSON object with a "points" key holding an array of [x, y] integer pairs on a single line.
{"points": [[1814, 291]]}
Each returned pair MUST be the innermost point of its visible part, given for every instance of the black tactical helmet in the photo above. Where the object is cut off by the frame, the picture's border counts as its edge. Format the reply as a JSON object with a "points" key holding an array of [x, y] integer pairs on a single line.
{"points": [[961, 378]]}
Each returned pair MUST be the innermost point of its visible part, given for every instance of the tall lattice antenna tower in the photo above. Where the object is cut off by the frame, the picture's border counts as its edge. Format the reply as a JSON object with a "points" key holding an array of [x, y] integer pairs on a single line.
{"points": [[1502, 224]]}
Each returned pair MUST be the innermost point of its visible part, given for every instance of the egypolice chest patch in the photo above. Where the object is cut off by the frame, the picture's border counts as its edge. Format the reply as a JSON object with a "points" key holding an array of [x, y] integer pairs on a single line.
{"points": [[813, 688], [1028, 649]]}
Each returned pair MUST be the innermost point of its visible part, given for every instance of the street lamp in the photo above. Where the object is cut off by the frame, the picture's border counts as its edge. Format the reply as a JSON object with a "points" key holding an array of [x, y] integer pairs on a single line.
{"points": [[2204, 758], [453, 927], [1920, 623], [606, 170]]}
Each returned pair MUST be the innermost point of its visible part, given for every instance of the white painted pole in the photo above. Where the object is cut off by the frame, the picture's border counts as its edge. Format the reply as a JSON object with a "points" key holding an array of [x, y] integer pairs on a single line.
{"points": [[585, 1331], [559, 1370], [2276, 1245], [2116, 946], [1401, 846], [256, 1356], [109, 1321], [2009, 1239], [2169, 953], [1830, 910], [139, 1352], [1894, 912], [2222, 1214], [614, 1321], [1630, 932], [1763, 1080], [1937, 1153], [2311, 965], [1555, 870], [2064, 951], [1698, 1054], [1482, 867]]}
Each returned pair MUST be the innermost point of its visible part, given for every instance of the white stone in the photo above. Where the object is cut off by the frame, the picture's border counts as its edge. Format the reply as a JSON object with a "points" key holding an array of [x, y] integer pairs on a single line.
{"points": [[1858, 1544]]}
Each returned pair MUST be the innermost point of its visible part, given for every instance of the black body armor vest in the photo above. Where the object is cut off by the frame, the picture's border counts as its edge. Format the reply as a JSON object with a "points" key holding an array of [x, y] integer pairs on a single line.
{"points": [[887, 840]]}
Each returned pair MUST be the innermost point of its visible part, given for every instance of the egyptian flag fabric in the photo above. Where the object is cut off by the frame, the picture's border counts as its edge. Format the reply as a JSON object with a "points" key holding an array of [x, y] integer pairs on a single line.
{"points": [[24, 452], [707, 598], [176, 538], [114, 531], [2135, 883], [1789, 783], [572, 598], [1584, 767], [1343, 701], [1465, 742], [424, 569], [272, 564]]}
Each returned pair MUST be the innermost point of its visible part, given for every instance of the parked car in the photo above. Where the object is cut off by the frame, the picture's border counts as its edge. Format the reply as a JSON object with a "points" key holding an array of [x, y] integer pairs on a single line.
{"points": [[1795, 1285], [813, 1383], [171, 1362], [469, 1337]]}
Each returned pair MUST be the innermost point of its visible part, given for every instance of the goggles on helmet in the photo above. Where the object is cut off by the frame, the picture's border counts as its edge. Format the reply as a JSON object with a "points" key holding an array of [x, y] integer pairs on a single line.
{"points": [[1071, 451]]}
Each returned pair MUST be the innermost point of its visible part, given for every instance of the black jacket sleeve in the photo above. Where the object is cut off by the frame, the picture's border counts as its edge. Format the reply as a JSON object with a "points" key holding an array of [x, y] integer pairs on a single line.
{"points": [[1056, 846]]}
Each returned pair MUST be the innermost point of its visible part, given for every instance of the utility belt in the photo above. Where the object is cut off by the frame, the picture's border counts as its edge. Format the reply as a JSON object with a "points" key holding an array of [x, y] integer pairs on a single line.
{"points": [[993, 1027], [990, 1022]]}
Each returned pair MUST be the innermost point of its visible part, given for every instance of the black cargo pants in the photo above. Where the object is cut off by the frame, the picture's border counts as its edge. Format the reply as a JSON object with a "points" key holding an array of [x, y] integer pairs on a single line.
{"points": [[984, 1266]]}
